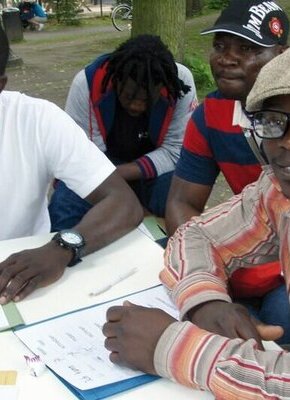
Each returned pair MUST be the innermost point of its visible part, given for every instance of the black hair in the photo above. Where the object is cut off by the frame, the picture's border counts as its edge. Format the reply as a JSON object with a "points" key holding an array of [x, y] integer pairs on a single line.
{"points": [[148, 61], [4, 51]]}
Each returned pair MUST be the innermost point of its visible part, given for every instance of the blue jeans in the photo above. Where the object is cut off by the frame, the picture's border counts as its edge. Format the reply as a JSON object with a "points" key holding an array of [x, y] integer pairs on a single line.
{"points": [[152, 193], [272, 309], [66, 208]]}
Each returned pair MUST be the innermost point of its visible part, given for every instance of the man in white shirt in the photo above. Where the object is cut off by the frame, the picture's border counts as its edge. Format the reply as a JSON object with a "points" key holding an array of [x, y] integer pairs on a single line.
{"points": [[40, 142]]}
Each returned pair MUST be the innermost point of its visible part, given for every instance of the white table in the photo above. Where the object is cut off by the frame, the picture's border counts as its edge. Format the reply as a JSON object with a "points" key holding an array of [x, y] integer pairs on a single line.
{"points": [[72, 292]]}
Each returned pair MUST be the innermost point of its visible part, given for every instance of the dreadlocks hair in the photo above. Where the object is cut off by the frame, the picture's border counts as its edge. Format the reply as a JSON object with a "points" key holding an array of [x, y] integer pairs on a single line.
{"points": [[4, 51], [148, 61]]}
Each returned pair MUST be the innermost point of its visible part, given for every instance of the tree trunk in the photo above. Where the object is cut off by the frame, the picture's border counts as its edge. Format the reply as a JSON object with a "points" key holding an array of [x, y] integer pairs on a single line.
{"points": [[193, 6], [165, 18]]}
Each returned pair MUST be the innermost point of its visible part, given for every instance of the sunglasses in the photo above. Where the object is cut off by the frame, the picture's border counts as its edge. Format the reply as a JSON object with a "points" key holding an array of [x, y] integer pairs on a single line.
{"points": [[270, 124]]}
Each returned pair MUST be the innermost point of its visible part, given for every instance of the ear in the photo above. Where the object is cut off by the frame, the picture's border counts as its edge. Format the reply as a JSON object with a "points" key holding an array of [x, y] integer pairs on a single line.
{"points": [[3, 81]]}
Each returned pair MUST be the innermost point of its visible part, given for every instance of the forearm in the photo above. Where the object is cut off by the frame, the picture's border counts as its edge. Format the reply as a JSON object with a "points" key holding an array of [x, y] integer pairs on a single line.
{"points": [[195, 269], [164, 158], [185, 200], [232, 369], [177, 213], [111, 218], [130, 171], [195, 289]]}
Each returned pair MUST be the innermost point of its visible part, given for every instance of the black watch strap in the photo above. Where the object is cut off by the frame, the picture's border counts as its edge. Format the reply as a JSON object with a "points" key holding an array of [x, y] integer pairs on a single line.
{"points": [[76, 258], [77, 248]]}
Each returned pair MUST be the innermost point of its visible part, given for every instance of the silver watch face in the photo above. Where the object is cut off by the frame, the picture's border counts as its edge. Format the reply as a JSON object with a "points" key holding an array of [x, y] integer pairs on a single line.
{"points": [[71, 238]]}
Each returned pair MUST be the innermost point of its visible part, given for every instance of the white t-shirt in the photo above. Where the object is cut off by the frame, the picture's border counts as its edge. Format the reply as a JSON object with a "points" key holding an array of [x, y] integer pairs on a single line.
{"points": [[39, 142]]}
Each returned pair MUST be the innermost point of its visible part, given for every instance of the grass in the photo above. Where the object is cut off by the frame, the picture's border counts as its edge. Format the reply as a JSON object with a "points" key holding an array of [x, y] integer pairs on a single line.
{"points": [[90, 21]]}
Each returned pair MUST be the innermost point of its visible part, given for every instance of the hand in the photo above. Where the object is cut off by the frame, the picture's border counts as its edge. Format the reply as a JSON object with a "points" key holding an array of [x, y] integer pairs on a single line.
{"points": [[23, 272], [132, 334], [232, 320]]}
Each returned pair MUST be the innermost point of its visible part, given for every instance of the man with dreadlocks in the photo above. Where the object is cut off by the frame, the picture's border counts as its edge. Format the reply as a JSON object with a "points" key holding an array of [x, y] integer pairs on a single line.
{"points": [[134, 105]]}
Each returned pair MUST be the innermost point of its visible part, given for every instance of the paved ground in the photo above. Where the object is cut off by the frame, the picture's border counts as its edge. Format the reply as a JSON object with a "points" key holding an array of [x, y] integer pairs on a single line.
{"points": [[52, 57]]}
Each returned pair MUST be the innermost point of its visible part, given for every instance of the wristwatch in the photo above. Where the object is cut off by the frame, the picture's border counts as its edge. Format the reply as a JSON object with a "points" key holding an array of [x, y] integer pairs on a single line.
{"points": [[71, 239]]}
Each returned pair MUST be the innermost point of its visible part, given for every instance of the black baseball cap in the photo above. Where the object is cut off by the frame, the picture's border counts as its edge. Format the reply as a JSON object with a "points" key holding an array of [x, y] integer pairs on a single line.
{"points": [[262, 22]]}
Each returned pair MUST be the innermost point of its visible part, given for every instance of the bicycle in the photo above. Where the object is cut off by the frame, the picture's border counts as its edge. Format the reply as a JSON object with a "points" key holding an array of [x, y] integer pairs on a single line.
{"points": [[122, 17]]}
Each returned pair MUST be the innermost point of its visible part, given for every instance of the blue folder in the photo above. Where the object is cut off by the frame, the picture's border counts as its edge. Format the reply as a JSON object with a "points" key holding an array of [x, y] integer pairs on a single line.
{"points": [[104, 391], [108, 390]]}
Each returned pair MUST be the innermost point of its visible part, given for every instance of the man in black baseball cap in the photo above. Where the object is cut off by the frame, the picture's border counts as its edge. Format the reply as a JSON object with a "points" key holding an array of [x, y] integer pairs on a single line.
{"points": [[262, 22], [247, 35]]}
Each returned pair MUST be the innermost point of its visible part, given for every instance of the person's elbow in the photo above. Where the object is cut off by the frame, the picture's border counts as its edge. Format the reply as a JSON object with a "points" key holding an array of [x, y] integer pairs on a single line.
{"points": [[130, 207], [115, 197]]}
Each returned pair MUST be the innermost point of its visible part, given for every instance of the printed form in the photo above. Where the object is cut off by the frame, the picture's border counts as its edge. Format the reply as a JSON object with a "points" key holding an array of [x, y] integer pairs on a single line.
{"points": [[72, 345]]}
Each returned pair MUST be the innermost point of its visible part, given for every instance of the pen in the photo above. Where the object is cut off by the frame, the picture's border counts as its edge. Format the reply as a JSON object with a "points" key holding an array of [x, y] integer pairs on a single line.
{"points": [[113, 282], [162, 230]]}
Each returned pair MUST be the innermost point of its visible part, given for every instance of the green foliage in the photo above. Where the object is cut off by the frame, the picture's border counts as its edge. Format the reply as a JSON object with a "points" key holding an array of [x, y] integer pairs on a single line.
{"points": [[201, 72], [67, 12], [217, 4]]}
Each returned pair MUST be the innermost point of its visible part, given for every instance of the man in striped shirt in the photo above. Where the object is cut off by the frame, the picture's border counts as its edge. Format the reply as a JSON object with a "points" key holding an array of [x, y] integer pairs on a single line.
{"points": [[214, 141], [222, 352]]}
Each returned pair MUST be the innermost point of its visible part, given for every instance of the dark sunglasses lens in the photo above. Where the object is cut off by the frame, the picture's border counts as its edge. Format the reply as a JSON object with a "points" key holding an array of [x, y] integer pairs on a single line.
{"points": [[270, 124]]}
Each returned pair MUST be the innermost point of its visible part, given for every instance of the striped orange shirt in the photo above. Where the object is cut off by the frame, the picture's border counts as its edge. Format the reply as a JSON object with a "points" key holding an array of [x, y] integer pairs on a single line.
{"points": [[251, 229]]}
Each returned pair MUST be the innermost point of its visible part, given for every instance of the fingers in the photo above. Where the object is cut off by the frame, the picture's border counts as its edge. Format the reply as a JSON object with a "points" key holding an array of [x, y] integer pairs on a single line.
{"points": [[247, 330], [109, 329], [115, 313], [111, 344], [17, 280], [19, 287], [11, 282], [8, 269], [115, 358], [27, 289], [128, 303], [267, 332], [270, 332]]}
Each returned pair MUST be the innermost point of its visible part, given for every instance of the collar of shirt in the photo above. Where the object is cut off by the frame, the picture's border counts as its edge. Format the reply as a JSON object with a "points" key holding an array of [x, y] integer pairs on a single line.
{"points": [[267, 169], [239, 116]]}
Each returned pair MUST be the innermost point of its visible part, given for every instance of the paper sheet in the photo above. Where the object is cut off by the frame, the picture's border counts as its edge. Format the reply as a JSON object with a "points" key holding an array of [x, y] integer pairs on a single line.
{"points": [[72, 345], [8, 393]]}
